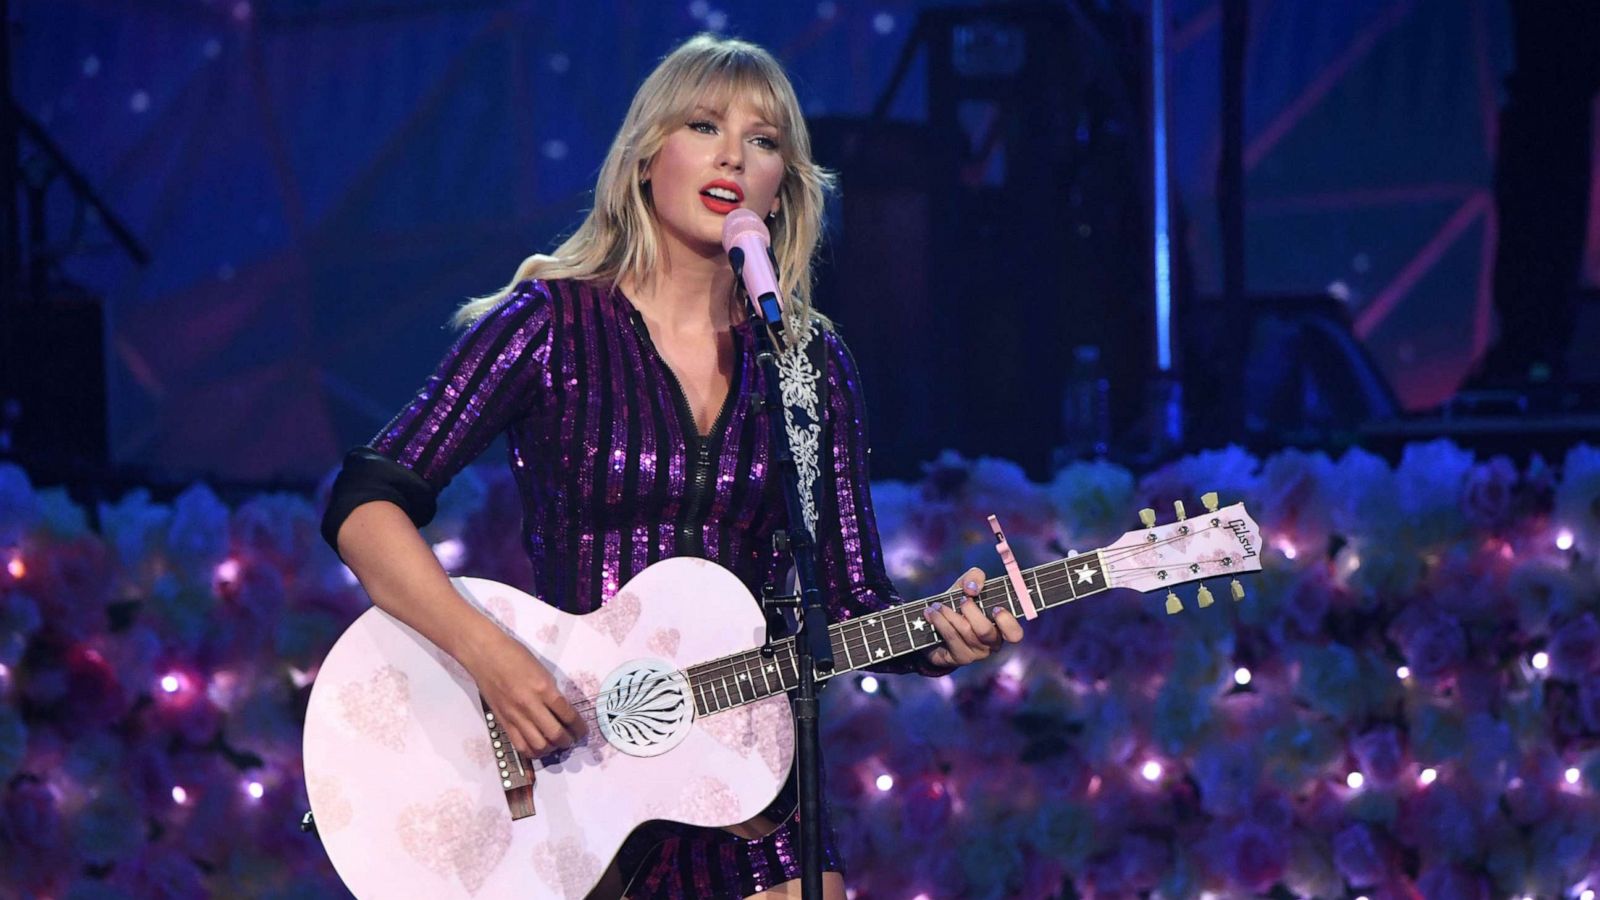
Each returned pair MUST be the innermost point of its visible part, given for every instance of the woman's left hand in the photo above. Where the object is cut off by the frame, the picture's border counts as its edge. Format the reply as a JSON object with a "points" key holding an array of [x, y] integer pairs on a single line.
{"points": [[970, 633]]}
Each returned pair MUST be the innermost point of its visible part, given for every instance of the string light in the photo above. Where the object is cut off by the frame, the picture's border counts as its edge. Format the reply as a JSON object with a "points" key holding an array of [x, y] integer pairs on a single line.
{"points": [[1355, 780], [885, 781], [1428, 776], [450, 552], [1241, 676], [1151, 771], [228, 571], [1564, 539], [869, 684]]}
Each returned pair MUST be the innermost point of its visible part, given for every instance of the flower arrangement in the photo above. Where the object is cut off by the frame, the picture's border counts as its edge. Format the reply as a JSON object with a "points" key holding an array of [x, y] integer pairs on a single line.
{"points": [[1407, 704]]}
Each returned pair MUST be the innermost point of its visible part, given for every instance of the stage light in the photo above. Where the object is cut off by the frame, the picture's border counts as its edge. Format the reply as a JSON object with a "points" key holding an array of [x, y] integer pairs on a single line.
{"points": [[1564, 539], [1427, 777], [1241, 676], [885, 781], [1573, 775], [1355, 780], [1151, 771], [1541, 660], [15, 567], [869, 684], [171, 682], [1403, 672], [1289, 551], [1586, 895], [179, 795], [255, 790]]}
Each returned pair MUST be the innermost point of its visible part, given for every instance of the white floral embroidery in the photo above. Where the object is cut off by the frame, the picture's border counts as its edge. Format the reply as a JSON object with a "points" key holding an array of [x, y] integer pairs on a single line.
{"points": [[797, 381]]}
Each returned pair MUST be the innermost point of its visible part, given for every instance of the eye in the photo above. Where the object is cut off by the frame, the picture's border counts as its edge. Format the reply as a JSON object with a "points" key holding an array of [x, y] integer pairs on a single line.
{"points": [[702, 126], [766, 143]]}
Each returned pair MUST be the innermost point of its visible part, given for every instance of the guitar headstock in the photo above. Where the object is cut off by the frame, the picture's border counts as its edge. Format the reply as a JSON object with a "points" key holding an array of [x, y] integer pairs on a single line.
{"points": [[1219, 543]]}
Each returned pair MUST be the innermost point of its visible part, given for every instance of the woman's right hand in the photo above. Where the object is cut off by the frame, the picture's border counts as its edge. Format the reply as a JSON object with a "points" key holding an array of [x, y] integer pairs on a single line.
{"points": [[524, 697]]}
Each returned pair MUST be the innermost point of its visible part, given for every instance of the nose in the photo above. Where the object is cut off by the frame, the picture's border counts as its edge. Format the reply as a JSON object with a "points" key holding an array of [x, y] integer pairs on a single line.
{"points": [[731, 154]]}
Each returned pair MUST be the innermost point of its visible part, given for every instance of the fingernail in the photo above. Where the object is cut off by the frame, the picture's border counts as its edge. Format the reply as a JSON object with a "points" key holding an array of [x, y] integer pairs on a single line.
{"points": [[935, 607], [994, 613], [972, 586]]}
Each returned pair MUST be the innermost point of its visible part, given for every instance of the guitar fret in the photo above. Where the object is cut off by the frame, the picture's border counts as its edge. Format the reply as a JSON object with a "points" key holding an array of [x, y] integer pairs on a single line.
{"points": [[843, 646]]}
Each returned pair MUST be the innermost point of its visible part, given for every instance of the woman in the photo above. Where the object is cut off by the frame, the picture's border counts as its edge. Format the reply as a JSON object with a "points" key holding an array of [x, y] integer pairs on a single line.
{"points": [[620, 367]]}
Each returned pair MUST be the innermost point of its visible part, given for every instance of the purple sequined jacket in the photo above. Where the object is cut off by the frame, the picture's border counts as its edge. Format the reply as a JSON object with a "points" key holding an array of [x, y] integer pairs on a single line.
{"points": [[612, 472]]}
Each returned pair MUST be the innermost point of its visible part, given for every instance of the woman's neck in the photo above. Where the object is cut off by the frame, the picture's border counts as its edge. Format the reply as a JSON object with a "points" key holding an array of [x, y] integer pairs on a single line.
{"points": [[686, 295]]}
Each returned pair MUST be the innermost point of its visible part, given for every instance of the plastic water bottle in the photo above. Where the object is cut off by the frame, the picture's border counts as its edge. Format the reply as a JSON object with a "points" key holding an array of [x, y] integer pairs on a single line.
{"points": [[1085, 409]]}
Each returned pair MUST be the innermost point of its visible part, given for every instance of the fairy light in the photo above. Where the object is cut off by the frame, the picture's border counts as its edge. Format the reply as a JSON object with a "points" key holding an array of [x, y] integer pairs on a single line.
{"points": [[1241, 676], [227, 571], [1541, 660], [450, 552], [179, 795], [1573, 775], [1355, 780], [1428, 776], [1151, 770], [1564, 539], [869, 684], [885, 782]]}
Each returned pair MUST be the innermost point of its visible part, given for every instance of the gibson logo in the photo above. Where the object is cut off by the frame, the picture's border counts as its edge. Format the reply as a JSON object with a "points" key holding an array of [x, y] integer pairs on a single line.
{"points": [[1242, 532]]}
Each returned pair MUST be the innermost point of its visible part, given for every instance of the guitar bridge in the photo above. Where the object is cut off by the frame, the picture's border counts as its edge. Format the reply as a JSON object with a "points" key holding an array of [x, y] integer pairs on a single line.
{"points": [[516, 776]]}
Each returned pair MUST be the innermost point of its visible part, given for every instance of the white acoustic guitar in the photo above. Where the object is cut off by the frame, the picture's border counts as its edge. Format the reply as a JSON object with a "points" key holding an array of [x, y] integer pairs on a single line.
{"points": [[417, 793]]}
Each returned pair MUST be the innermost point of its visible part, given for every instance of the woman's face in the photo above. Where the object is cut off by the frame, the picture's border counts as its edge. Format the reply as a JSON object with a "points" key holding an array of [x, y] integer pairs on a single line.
{"points": [[712, 164]]}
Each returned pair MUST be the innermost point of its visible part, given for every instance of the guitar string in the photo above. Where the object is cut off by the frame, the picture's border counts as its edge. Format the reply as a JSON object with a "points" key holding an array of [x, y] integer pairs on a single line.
{"points": [[719, 670]]}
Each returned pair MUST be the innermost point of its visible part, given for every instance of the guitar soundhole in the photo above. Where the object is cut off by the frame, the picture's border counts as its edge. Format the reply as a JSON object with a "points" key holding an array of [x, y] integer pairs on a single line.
{"points": [[644, 709]]}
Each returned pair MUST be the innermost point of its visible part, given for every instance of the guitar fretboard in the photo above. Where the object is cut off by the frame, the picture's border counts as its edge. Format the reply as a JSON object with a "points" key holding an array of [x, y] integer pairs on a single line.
{"points": [[879, 637]]}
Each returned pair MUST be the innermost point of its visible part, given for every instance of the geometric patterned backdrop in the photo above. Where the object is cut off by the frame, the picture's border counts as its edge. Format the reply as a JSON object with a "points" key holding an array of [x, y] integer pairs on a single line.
{"points": [[321, 181]]}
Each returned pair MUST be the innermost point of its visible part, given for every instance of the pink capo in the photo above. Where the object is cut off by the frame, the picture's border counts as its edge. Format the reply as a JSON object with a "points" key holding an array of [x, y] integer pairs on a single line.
{"points": [[1010, 561]]}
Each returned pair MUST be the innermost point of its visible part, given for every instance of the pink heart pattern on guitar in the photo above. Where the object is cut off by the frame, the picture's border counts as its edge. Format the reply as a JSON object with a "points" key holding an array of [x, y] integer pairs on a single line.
{"points": [[688, 720]]}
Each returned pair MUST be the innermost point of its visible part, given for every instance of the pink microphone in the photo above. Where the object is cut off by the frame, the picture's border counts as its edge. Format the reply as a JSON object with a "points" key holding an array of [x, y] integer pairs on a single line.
{"points": [[746, 239]]}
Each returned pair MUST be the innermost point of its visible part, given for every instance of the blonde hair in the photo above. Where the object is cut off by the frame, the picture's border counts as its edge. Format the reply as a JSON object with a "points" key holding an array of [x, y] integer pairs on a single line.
{"points": [[619, 240]]}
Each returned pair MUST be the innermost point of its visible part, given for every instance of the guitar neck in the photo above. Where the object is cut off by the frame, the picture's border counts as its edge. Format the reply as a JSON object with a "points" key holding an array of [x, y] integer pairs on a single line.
{"points": [[865, 641]]}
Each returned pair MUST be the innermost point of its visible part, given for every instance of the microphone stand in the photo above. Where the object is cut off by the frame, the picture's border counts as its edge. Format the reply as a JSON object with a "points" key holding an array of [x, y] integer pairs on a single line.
{"points": [[813, 649]]}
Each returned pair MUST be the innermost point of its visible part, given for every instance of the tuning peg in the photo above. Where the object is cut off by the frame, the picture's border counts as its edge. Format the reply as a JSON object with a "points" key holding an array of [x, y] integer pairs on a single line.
{"points": [[1238, 589], [1148, 517], [1209, 500], [1178, 505], [1174, 605], [1072, 554], [1204, 597]]}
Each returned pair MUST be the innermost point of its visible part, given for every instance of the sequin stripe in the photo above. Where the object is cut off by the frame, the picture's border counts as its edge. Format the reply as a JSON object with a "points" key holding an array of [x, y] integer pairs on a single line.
{"points": [[615, 337], [482, 388], [575, 440], [640, 481]]}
